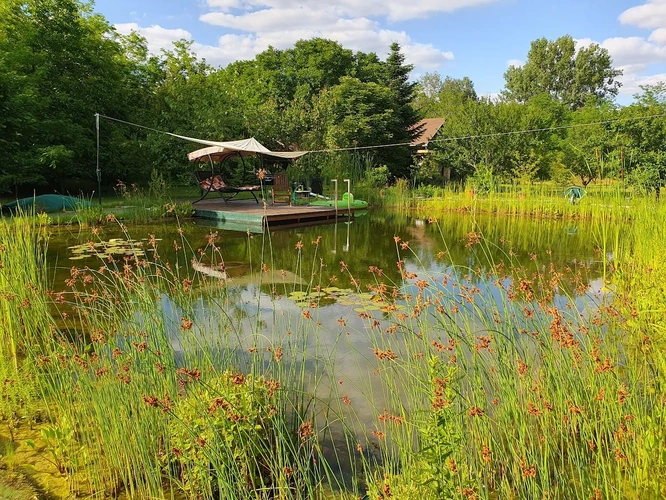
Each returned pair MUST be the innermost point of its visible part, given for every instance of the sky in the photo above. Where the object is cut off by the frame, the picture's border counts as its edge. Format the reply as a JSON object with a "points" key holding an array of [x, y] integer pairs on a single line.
{"points": [[479, 39]]}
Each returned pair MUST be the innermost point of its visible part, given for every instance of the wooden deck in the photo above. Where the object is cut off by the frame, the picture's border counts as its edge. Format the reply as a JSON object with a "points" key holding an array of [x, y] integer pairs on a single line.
{"points": [[247, 215]]}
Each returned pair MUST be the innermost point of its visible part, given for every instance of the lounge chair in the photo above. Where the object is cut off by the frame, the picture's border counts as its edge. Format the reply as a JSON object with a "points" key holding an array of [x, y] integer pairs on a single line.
{"points": [[216, 184]]}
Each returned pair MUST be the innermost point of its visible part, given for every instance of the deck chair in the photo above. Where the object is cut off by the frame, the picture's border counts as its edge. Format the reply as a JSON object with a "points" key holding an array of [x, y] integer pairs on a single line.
{"points": [[281, 191], [216, 184]]}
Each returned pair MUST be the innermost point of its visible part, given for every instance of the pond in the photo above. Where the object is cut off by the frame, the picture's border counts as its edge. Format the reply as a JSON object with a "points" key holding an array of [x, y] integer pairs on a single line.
{"points": [[324, 283], [365, 243]]}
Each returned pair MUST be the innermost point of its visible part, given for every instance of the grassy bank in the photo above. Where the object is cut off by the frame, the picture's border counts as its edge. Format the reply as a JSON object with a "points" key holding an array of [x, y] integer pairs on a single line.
{"points": [[543, 200]]}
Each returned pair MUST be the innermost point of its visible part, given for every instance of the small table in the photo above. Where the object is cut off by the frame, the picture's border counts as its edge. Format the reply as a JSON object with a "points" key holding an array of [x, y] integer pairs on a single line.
{"points": [[302, 193]]}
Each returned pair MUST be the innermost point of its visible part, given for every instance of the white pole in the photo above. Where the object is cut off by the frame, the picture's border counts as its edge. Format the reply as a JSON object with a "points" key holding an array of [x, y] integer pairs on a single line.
{"points": [[98, 170], [348, 194], [335, 195]]}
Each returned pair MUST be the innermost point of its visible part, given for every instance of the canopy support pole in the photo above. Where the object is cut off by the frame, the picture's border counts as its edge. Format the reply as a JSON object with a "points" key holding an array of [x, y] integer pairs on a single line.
{"points": [[98, 171]]}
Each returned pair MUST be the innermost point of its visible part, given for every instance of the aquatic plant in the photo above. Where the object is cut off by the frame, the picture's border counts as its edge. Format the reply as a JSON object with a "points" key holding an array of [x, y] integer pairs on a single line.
{"points": [[511, 379]]}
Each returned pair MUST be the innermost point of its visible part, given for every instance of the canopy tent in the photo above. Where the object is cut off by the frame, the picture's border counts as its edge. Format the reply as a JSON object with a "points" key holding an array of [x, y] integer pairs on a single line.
{"points": [[215, 152], [220, 151]]}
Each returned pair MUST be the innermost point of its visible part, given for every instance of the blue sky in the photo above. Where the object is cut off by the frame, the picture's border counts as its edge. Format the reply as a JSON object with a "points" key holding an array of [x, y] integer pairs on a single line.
{"points": [[475, 38]]}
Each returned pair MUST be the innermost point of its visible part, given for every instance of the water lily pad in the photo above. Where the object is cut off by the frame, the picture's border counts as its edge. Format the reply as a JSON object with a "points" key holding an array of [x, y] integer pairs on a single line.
{"points": [[298, 295], [366, 309], [303, 304], [79, 257]]}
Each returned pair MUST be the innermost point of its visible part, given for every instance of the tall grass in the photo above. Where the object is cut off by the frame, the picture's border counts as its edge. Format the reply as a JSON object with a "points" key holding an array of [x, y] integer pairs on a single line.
{"points": [[493, 390], [493, 380], [156, 401], [539, 200]]}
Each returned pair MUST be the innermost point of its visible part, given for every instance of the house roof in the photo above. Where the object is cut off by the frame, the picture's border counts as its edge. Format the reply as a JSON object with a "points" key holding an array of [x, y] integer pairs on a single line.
{"points": [[427, 129]]}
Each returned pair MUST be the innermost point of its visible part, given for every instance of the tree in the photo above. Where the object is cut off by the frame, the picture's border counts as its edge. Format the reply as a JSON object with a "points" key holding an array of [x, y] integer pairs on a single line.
{"points": [[481, 137], [437, 98], [358, 114], [589, 148], [570, 75], [63, 63], [403, 91]]}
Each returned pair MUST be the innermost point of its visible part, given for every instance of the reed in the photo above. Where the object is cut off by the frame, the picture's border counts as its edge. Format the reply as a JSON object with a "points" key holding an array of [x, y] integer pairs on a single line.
{"points": [[511, 379], [540, 200]]}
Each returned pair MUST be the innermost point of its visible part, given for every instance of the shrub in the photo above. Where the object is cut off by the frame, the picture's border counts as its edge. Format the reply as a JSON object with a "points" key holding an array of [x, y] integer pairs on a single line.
{"points": [[222, 433]]}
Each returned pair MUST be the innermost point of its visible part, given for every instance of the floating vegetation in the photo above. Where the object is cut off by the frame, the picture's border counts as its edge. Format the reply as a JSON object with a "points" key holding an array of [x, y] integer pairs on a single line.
{"points": [[115, 247], [363, 302]]}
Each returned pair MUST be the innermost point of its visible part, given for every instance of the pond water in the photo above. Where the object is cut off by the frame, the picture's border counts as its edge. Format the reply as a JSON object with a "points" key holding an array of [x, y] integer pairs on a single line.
{"points": [[326, 278], [364, 242]]}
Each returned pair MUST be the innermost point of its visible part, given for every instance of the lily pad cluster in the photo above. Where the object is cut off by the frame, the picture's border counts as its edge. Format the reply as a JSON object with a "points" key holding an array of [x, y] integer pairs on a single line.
{"points": [[115, 247], [361, 302]]}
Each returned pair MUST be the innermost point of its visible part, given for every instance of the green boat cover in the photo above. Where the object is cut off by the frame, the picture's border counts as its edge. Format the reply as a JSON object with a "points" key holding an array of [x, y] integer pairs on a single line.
{"points": [[47, 203]]}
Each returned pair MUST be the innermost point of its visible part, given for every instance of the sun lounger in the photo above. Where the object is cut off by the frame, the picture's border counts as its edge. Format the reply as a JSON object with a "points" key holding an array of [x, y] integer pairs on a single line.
{"points": [[216, 184]]}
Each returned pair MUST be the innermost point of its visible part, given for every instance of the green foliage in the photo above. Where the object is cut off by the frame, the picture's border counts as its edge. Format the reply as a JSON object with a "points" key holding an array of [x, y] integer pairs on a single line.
{"points": [[60, 447], [566, 73], [429, 169], [157, 187], [378, 176], [560, 174], [483, 181], [62, 64], [437, 98], [19, 398], [223, 432], [440, 436], [649, 174], [179, 210]]}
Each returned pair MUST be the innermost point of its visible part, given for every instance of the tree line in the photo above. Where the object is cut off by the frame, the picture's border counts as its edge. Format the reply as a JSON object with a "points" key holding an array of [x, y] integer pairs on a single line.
{"points": [[564, 97], [61, 62]]}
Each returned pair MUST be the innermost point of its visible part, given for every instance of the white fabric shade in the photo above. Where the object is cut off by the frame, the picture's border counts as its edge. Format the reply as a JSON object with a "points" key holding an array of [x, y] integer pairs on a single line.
{"points": [[220, 151]]}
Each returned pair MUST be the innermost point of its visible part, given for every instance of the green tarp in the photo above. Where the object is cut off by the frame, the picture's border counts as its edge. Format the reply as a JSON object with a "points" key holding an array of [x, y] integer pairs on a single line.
{"points": [[46, 203]]}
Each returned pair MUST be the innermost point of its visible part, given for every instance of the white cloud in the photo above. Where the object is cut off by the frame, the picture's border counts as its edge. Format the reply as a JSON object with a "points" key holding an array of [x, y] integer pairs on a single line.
{"points": [[281, 23], [514, 62], [634, 50], [633, 55], [157, 37], [658, 36], [251, 26], [649, 15], [394, 10], [632, 82], [248, 27]]}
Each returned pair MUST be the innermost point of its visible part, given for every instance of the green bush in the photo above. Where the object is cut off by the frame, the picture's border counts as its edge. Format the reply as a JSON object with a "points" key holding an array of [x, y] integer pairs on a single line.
{"points": [[483, 181], [377, 177], [222, 433]]}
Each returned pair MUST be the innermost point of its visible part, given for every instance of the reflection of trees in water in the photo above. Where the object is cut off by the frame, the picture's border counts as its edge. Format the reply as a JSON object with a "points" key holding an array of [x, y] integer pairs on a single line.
{"points": [[366, 241]]}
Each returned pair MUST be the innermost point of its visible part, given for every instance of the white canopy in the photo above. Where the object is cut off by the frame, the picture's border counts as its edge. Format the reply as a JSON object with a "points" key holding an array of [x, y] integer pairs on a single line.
{"points": [[220, 151]]}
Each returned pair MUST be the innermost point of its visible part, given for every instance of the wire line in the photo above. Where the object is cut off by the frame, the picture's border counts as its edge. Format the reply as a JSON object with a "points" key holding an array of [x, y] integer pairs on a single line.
{"points": [[446, 139]]}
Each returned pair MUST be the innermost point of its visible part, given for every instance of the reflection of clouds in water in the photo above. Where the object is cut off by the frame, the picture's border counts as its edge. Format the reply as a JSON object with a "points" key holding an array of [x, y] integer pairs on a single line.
{"points": [[244, 316]]}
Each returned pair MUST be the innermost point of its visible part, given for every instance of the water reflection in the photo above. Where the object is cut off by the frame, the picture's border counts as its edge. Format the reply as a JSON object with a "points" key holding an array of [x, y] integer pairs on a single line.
{"points": [[252, 310]]}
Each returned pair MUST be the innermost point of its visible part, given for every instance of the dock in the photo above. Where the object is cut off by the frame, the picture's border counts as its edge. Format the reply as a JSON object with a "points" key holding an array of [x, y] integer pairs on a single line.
{"points": [[247, 215]]}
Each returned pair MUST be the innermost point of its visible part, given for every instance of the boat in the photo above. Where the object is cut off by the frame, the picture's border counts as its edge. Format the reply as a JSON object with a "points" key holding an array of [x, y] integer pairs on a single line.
{"points": [[47, 203], [346, 202]]}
